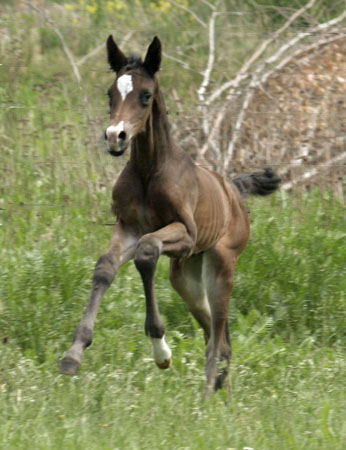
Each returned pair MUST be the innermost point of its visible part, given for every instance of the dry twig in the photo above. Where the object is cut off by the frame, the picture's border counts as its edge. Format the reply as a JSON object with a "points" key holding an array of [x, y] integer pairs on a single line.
{"points": [[313, 172], [61, 37], [244, 73]]}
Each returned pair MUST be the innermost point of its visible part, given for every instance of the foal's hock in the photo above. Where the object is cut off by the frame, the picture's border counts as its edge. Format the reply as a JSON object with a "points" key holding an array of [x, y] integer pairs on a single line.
{"points": [[165, 204]]}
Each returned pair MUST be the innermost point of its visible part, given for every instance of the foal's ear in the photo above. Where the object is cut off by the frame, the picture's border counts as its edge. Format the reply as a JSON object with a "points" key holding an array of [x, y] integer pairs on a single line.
{"points": [[116, 58], [152, 59]]}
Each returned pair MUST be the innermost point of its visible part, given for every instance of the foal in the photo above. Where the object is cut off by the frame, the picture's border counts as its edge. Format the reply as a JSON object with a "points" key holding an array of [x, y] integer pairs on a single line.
{"points": [[165, 204]]}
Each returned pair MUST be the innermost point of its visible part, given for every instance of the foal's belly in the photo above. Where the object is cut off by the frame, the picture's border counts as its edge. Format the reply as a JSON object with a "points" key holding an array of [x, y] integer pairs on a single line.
{"points": [[213, 212], [209, 231]]}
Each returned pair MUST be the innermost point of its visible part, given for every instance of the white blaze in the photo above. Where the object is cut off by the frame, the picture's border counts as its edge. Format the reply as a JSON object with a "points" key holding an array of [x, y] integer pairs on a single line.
{"points": [[115, 129], [125, 85]]}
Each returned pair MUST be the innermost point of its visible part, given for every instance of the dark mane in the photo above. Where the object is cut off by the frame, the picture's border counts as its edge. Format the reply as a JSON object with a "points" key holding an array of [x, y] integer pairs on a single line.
{"points": [[134, 61]]}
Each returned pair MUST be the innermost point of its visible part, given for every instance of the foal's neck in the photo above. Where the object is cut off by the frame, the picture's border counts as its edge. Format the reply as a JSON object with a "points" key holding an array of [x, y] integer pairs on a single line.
{"points": [[154, 146]]}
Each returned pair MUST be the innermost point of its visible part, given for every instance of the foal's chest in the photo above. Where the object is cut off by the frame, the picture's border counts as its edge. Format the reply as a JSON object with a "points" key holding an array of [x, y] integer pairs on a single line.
{"points": [[145, 210]]}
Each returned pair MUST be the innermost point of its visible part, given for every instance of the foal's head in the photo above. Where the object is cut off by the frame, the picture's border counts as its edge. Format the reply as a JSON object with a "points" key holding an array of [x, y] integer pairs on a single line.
{"points": [[131, 94]]}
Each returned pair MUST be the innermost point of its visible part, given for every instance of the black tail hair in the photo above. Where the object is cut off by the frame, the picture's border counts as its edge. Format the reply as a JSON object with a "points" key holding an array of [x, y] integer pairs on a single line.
{"points": [[258, 183]]}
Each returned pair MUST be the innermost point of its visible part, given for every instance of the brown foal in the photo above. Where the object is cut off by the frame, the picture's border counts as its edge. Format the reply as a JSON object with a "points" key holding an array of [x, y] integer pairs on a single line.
{"points": [[166, 204]]}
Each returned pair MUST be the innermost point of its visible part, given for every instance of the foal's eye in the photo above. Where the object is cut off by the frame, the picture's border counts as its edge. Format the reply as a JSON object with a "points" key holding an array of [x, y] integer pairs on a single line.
{"points": [[145, 97]]}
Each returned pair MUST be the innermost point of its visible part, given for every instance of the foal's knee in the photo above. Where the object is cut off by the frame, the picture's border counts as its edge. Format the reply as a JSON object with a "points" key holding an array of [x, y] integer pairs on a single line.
{"points": [[147, 254], [105, 270], [84, 334]]}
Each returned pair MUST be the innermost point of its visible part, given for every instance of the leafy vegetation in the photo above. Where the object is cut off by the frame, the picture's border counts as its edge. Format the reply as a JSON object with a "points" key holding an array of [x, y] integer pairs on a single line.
{"points": [[288, 304]]}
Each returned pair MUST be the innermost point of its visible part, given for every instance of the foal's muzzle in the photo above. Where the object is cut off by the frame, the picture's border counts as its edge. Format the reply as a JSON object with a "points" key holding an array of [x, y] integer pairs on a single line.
{"points": [[117, 139]]}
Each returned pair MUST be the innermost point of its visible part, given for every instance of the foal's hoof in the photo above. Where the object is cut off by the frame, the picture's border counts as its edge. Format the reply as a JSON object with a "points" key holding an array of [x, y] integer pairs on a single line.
{"points": [[69, 366], [165, 364]]}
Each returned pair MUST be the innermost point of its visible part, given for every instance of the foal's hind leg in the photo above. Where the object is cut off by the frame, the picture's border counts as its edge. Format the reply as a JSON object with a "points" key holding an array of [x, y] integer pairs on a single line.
{"points": [[186, 278], [218, 272]]}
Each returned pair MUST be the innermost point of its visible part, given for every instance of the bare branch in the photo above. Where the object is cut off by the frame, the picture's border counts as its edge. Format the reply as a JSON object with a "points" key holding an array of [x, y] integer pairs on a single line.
{"points": [[178, 60], [73, 64], [206, 77], [243, 73], [211, 58], [305, 149], [297, 53], [238, 125], [211, 6], [311, 173], [257, 80], [61, 37], [198, 19], [91, 54], [321, 27], [100, 47]]}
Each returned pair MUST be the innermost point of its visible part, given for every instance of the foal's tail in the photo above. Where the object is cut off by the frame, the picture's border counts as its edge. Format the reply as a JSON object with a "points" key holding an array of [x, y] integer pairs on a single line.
{"points": [[258, 183]]}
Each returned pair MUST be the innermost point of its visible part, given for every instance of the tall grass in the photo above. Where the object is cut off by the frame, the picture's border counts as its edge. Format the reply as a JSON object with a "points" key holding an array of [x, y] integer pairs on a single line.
{"points": [[291, 274], [287, 319]]}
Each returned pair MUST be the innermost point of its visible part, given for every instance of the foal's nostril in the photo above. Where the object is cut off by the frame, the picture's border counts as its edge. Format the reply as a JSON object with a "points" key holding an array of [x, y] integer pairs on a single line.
{"points": [[122, 136], [106, 137]]}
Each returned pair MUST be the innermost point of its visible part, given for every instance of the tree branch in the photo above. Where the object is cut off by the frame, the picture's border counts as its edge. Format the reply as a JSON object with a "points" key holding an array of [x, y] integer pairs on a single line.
{"points": [[101, 47], [259, 80], [244, 73], [61, 37], [311, 173], [198, 19], [211, 57]]}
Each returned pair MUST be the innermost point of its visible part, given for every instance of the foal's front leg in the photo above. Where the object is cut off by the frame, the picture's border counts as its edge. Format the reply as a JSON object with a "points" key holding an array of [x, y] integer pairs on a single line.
{"points": [[121, 250], [173, 240]]}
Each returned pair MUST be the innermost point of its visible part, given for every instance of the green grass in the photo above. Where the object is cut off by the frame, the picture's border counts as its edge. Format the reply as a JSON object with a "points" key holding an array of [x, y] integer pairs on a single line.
{"points": [[282, 397], [287, 316], [288, 305]]}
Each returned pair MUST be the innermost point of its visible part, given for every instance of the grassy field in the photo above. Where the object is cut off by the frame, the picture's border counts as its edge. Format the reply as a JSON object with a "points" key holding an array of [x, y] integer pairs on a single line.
{"points": [[287, 316]]}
